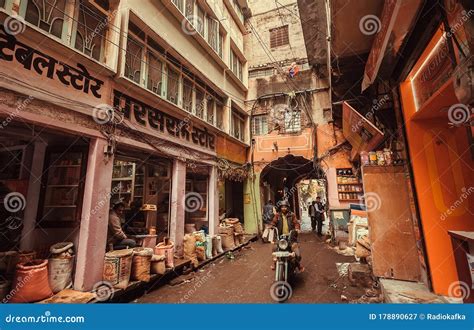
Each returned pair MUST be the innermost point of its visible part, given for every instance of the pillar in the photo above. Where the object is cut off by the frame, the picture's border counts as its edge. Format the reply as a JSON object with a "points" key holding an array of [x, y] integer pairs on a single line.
{"points": [[213, 201], [33, 197], [94, 220], [178, 199]]}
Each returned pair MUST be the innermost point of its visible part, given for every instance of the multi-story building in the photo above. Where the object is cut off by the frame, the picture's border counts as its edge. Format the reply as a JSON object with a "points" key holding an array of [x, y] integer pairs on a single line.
{"points": [[293, 133], [405, 68], [133, 101]]}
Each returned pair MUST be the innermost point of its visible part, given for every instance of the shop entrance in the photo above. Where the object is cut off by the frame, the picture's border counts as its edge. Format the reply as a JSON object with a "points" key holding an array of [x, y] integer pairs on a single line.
{"points": [[143, 184], [234, 204], [196, 198], [42, 177]]}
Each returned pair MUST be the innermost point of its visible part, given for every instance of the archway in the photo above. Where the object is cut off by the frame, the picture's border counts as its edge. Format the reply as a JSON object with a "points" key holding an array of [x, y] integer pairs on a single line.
{"points": [[279, 179]]}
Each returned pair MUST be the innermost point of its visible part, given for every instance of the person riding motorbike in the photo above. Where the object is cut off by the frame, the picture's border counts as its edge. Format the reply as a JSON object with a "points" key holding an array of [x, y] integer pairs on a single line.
{"points": [[285, 221]]}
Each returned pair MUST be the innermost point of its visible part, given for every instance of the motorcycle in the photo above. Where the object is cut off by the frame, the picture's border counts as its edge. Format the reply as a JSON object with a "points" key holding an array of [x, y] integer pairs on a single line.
{"points": [[285, 268]]}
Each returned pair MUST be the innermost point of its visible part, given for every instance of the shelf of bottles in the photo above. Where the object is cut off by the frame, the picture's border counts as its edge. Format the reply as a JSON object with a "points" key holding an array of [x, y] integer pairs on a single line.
{"points": [[349, 186]]}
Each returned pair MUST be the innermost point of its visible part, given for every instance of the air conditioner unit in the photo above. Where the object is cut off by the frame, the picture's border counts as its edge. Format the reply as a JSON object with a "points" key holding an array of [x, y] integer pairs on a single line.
{"points": [[464, 81]]}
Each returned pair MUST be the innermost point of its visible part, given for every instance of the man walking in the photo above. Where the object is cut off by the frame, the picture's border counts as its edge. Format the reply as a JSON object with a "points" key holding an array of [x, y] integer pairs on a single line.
{"points": [[319, 215], [312, 215]]}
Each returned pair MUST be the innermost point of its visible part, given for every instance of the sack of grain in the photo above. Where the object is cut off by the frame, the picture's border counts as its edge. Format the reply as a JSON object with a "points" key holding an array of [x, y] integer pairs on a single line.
{"points": [[141, 264], [117, 268], [189, 247]]}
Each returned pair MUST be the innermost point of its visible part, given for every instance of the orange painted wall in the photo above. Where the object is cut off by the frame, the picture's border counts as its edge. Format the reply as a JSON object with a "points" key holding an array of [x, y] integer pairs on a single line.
{"points": [[230, 150], [299, 145], [442, 167]]}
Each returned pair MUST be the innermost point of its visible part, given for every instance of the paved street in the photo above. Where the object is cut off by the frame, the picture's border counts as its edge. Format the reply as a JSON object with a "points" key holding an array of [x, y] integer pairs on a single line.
{"points": [[247, 278]]}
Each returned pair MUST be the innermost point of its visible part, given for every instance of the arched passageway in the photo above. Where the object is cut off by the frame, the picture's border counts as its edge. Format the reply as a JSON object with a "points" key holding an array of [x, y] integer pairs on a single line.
{"points": [[279, 179]]}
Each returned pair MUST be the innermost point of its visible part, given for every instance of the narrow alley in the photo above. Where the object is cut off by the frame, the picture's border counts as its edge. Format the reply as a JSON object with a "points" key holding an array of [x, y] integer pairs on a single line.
{"points": [[248, 278]]}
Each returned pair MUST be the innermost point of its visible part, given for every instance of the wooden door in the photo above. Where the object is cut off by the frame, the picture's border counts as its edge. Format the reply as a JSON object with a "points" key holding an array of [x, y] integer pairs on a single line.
{"points": [[393, 244]]}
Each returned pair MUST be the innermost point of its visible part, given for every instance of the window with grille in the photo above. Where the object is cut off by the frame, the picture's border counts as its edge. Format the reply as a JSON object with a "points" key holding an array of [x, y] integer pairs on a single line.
{"points": [[187, 95], [220, 115], [189, 10], [236, 65], [237, 126], [238, 10], [179, 4], [279, 36], [199, 103], [199, 20], [212, 33], [210, 110], [173, 85], [133, 60], [155, 74], [47, 15], [259, 125], [292, 121], [220, 45], [261, 73], [90, 29]]}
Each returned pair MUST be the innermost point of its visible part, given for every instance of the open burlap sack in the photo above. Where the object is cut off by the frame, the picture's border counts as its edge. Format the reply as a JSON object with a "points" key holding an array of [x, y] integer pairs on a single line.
{"points": [[189, 246]]}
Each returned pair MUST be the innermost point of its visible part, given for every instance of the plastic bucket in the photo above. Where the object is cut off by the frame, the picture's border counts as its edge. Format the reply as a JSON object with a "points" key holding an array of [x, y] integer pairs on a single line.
{"points": [[141, 264], [31, 282], [117, 268]]}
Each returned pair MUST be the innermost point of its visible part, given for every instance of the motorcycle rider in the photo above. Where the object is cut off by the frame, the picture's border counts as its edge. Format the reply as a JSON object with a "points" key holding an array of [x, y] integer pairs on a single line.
{"points": [[286, 221]]}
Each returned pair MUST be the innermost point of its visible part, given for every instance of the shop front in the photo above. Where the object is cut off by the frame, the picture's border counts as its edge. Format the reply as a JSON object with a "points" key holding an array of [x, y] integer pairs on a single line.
{"points": [[440, 141]]}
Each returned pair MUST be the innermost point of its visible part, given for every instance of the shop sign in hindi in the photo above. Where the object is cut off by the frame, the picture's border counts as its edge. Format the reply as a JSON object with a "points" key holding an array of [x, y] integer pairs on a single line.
{"points": [[11, 50], [148, 116]]}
